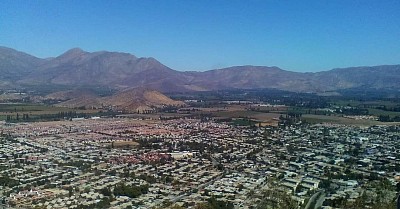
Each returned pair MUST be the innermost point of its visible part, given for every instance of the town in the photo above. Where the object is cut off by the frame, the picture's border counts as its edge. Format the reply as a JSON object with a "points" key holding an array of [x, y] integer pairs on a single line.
{"points": [[199, 104], [123, 162]]}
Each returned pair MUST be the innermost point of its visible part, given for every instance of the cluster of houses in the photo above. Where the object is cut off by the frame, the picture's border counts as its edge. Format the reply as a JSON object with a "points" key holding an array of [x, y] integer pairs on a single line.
{"points": [[71, 164]]}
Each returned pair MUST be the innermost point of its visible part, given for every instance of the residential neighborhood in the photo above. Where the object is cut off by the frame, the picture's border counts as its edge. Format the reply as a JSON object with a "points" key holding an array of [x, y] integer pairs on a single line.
{"points": [[136, 163]]}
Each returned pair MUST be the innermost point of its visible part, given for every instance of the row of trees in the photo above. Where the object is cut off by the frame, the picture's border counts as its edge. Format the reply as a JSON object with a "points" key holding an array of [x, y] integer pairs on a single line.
{"points": [[387, 118], [391, 109], [60, 115], [17, 117]]}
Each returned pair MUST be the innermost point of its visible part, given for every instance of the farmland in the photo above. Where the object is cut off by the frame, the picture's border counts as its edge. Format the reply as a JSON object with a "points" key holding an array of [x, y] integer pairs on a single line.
{"points": [[36, 111]]}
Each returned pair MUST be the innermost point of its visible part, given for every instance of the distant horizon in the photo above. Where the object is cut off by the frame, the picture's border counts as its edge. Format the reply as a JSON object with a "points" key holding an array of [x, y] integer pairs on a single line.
{"points": [[138, 56]]}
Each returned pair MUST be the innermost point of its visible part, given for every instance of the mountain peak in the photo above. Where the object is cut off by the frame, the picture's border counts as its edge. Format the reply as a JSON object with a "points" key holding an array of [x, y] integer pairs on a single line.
{"points": [[73, 52], [76, 50]]}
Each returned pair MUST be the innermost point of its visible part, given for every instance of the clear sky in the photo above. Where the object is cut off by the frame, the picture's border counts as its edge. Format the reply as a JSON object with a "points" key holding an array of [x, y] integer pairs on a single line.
{"points": [[297, 35]]}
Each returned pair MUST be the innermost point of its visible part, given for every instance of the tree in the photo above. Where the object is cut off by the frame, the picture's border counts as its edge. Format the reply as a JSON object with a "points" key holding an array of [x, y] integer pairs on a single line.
{"points": [[130, 191], [240, 187], [106, 192], [70, 191]]}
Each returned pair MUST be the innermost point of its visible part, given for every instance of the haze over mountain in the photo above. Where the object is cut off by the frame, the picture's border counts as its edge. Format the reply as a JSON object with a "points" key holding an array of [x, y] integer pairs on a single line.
{"points": [[122, 70]]}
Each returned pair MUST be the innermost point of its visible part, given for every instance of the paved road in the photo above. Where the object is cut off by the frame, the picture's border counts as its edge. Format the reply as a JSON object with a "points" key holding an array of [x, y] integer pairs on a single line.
{"points": [[320, 201], [313, 200]]}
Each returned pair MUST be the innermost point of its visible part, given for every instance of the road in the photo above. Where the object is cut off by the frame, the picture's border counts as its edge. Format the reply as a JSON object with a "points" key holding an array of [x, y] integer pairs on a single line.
{"points": [[315, 200], [320, 201]]}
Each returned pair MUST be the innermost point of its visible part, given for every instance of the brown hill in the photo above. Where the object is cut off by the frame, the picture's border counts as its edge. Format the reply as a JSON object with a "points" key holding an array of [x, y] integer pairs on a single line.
{"points": [[139, 100], [130, 100]]}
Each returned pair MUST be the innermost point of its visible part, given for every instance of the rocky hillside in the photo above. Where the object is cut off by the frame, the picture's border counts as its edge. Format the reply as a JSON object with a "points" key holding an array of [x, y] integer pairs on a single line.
{"points": [[117, 70]]}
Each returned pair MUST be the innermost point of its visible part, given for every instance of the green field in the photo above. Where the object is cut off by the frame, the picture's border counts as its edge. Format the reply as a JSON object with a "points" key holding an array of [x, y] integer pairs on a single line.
{"points": [[12, 108], [35, 111], [341, 120], [377, 112]]}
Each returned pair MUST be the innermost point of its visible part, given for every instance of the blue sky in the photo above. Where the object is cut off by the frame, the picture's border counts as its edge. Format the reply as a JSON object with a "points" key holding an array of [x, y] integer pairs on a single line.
{"points": [[308, 35]]}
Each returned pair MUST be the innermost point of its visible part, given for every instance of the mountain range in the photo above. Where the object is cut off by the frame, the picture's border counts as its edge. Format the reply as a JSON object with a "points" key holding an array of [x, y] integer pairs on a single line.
{"points": [[122, 71]]}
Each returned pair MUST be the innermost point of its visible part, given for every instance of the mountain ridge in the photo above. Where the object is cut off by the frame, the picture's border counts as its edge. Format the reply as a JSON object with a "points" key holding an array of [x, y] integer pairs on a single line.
{"points": [[118, 70]]}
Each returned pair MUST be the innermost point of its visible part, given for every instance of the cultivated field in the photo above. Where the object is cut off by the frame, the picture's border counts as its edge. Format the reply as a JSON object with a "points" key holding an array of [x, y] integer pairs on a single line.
{"points": [[341, 120], [35, 110]]}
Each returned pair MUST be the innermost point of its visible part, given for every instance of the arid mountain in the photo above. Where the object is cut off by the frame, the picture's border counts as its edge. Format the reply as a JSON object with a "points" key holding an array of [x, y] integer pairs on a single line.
{"points": [[250, 77], [121, 70], [77, 67], [377, 77], [129, 100], [15, 65]]}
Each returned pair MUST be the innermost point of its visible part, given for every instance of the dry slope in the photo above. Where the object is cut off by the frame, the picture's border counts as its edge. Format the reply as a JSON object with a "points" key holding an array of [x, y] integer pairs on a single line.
{"points": [[131, 100]]}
